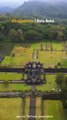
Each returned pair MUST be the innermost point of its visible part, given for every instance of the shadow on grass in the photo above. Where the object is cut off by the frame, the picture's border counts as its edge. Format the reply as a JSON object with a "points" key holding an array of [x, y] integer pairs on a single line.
{"points": [[6, 48]]}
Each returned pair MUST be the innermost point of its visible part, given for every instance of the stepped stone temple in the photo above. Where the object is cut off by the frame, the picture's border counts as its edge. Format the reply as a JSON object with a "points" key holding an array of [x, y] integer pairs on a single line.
{"points": [[35, 73]]}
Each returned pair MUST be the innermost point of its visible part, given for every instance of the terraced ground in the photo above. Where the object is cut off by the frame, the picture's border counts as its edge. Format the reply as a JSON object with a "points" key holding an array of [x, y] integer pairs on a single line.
{"points": [[23, 55], [10, 108], [50, 84], [50, 59]]}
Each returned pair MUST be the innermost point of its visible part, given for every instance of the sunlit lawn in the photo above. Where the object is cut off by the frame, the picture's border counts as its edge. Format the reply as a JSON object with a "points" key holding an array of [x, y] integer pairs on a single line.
{"points": [[10, 76], [64, 63], [38, 107], [10, 108], [27, 108], [16, 87], [54, 109], [50, 84], [24, 55], [56, 45], [50, 59]]}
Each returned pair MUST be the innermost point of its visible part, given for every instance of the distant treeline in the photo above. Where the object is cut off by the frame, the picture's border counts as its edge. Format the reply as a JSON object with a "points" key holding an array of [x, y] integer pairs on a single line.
{"points": [[32, 32]]}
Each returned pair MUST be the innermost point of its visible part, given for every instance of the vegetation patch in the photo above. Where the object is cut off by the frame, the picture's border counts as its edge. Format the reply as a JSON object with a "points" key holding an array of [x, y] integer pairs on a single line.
{"points": [[10, 108], [54, 110]]}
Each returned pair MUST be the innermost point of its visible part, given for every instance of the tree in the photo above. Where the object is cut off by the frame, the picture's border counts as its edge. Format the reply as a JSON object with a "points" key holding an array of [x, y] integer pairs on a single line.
{"points": [[12, 35], [33, 36], [19, 36], [2, 37], [60, 35], [6, 83], [60, 77], [59, 64], [66, 80], [64, 96], [13, 54], [16, 35], [41, 47], [51, 46]]}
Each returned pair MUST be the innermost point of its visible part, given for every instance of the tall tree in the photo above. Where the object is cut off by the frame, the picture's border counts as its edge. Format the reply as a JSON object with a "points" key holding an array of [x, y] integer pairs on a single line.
{"points": [[60, 78], [12, 35]]}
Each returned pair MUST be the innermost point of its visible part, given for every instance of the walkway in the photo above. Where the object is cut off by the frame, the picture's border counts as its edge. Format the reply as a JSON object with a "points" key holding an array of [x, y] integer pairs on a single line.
{"points": [[32, 109]]}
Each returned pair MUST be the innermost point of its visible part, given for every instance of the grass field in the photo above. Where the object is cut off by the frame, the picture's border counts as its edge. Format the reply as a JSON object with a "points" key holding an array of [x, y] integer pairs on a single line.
{"points": [[10, 108], [6, 48], [12, 87], [50, 84], [27, 108], [10, 76], [54, 109], [56, 45], [64, 63], [38, 107], [23, 55]]}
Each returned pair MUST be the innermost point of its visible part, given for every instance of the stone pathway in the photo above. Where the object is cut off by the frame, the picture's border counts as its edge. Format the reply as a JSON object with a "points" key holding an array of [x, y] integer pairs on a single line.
{"points": [[32, 109], [35, 56]]}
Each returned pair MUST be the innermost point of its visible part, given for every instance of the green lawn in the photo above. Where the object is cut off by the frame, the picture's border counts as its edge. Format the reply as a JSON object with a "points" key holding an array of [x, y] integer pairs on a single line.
{"points": [[24, 55], [38, 107], [54, 109], [10, 76], [10, 108], [6, 48], [50, 84], [27, 108], [46, 57], [56, 45], [50, 59], [64, 63], [12, 87]]}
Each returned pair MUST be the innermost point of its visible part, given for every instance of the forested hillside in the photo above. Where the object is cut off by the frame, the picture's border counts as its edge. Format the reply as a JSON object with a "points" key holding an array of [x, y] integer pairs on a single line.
{"points": [[42, 10], [32, 32]]}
